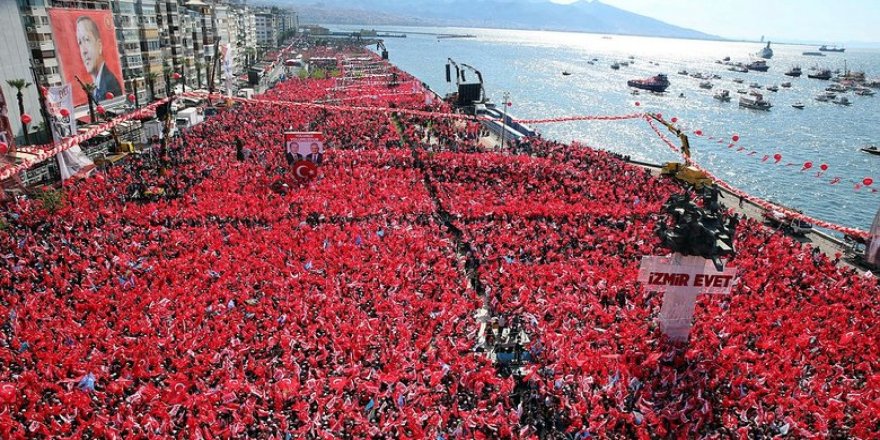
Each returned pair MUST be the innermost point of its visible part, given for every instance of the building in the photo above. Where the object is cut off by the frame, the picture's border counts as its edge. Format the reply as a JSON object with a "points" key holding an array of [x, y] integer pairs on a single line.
{"points": [[267, 29], [15, 51], [153, 83]]}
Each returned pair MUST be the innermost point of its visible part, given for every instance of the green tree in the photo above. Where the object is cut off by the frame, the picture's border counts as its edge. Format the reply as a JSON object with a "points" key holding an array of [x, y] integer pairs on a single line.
{"points": [[199, 66], [151, 83], [19, 85]]}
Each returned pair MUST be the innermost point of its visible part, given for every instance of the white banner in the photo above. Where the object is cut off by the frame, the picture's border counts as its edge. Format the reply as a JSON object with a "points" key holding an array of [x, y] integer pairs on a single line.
{"points": [[59, 104], [226, 51], [681, 279], [872, 253]]}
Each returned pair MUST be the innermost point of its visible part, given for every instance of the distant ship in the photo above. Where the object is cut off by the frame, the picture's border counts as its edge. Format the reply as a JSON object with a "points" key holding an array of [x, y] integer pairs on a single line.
{"points": [[657, 83], [766, 52], [825, 48], [758, 66], [813, 54], [794, 72]]}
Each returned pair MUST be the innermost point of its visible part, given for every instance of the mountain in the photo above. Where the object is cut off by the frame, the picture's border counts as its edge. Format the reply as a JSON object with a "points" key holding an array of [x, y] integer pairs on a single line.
{"points": [[581, 16]]}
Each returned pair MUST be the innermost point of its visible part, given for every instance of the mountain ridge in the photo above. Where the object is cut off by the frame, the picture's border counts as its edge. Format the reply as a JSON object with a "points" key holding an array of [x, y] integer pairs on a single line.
{"points": [[581, 16]]}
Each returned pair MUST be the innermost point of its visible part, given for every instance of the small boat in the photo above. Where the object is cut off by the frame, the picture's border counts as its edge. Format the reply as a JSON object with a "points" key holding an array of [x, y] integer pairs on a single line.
{"points": [[824, 74], [813, 54], [624, 63], [836, 88], [842, 100], [742, 91], [738, 80], [723, 96], [798, 105], [740, 69], [565, 73], [864, 92], [755, 85], [872, 149], [758, 66], [615, 66], [658, 83], [766, 52], [825, 48], [706, 85], [755, 101], [773, 88], [785, 85], [823, 97], [682, 72], [634, 92], [725, 59], [794, 72], [591, 63]]}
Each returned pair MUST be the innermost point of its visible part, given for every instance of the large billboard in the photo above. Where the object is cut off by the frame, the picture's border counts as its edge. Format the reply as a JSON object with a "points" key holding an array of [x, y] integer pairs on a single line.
{"points": [[85, 44]]}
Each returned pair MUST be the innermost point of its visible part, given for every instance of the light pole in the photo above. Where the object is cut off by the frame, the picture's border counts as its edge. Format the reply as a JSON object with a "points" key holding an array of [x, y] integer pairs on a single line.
{"points": [[504, 118]]}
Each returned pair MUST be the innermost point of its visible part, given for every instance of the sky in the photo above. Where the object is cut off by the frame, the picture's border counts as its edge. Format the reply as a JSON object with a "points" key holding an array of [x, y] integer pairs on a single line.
{"points": [[828, 21]]}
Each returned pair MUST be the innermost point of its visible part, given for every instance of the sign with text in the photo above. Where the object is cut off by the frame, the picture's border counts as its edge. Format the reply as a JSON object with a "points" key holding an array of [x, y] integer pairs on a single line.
{"points": [[305, 145], [681, 279]]}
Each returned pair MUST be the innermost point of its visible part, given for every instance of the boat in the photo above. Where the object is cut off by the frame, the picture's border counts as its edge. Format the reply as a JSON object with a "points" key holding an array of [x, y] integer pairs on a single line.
{"points": [[739, 68], [794, 72], [754, 100], [726, 59], [565, 73], [872, 149], [706, 85], [813, 54], [591, 63], [658, 83], [798, 105], [766, 52], [825, 48], [836, 88], [624, 63], [773, 88], [825, 97], [842, 100], [755, 85], [758, 66], [738, 80], [723, 96], [615, 66], [820, 74], [864, 92], [682, 72], [742, 91], [785, 85]]}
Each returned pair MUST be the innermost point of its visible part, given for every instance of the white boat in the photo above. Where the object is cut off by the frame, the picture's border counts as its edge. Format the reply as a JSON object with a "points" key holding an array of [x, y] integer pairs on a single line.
{"points": [[722, 95], [738, 80], [755, 85], [836, 88], [706, 85], [773, 88], [798, 105], [682, 72], [823, 97], [754, 100], [842, 100], [864, 92], [766, 52], [742, 91]]}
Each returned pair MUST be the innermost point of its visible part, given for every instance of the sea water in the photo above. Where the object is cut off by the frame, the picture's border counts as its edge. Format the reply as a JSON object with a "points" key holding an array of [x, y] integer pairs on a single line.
{"points": [[529, 65]]}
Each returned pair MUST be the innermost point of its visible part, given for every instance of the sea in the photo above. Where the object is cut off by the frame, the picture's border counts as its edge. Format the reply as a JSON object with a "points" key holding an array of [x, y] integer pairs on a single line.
{"points": [[529, 64]]}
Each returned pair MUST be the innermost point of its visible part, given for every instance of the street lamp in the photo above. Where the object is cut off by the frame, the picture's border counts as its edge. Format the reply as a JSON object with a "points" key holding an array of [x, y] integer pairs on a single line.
{"points": [[506, 103]]}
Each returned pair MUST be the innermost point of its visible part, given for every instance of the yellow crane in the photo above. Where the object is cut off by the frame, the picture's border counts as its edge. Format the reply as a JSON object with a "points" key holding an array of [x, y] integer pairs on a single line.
{"points": [[684, 172]]}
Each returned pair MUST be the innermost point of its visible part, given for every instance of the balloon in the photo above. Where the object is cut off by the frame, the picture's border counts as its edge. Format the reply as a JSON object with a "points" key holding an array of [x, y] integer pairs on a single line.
{"points": [[698, 132], [823, 167], [674, 120], [868, 181], [778, 157], [736, 138], [638, 103], [26, 119], [660, 115], [100, 109], [175, 76], [807, 165], [131, 97], [64, 112], [3, 147], [108, 95], [44, 90]]}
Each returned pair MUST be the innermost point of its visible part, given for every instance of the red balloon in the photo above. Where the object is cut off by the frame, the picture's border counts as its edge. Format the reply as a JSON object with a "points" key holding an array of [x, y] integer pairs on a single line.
{"points": [[823, 167], [674, 120], [3, 147], [100, 109], [175, 75], [778, 157], [660, 115], [44, 90], [698, 132], [868, 181], [638, 103], [26, 119], [808, 165], [736, 138], [64, 112], [131, 97]]}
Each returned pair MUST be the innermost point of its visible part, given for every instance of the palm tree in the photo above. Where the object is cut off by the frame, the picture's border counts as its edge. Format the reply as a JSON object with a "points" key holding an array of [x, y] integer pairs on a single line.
{"points": [[166, 70], [89, 88], [19, 85], [151, 83], [199, 66]]}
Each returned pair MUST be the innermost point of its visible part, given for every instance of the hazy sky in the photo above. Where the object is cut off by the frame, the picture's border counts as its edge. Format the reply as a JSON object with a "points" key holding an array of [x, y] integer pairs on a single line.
{"points": [[831, 21]]}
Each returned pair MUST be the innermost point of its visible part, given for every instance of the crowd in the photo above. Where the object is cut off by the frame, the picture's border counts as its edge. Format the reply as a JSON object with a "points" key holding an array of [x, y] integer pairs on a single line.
{"points": [[239, 302]]}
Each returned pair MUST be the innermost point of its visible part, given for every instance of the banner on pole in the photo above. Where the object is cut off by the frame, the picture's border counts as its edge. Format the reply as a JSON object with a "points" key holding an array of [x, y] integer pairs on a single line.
{"points": [[59, 103], [681, 278]]}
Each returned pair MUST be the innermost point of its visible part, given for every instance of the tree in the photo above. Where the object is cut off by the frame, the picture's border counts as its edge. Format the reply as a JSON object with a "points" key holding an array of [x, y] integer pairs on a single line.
{"points": [[151, 83], [166, 70], [19, 85], [199, 66]]}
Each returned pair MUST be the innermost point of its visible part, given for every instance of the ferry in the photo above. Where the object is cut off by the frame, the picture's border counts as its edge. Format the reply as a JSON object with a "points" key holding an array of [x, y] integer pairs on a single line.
{"points": [[657, 83], [755, 101]]}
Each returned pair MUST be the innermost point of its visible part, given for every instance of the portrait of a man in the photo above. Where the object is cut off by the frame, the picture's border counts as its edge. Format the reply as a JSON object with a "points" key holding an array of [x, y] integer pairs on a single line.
{"points": [[91, 49]]}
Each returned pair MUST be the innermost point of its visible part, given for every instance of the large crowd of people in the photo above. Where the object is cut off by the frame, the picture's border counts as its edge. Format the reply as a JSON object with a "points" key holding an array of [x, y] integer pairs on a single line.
{"points": [[236, 301]]}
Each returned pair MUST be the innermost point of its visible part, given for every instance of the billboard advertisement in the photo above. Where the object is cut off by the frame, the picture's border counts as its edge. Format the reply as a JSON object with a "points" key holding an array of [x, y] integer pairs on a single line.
{"points": [[85, 42]]}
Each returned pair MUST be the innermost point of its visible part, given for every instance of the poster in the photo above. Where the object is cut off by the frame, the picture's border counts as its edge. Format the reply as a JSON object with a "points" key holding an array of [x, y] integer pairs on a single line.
{"points": [[6, 136], [681, 278], [59, 104], [872, 252], [227, 60], [85, 42], [304, 145]]}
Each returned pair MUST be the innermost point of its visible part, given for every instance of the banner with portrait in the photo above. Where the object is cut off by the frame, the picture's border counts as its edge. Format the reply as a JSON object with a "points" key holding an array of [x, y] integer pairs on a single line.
{"points": [[304, 145], [59, 104], [85, 43]]}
